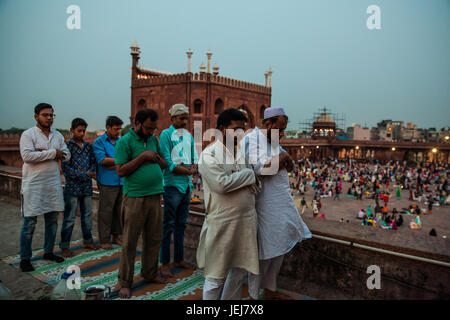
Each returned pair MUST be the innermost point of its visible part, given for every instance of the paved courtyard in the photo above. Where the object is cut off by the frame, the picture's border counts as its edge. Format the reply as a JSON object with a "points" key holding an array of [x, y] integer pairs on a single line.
{"points": [[348, 208]]}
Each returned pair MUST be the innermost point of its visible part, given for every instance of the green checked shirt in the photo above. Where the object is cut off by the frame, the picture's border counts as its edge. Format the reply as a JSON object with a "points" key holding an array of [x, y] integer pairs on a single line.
{"points": [[177, 149], [147, 180]]}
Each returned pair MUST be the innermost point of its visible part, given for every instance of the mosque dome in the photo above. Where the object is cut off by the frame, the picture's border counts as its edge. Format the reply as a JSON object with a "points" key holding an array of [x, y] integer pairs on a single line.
{"points": [[324, 117], [324, 126]]}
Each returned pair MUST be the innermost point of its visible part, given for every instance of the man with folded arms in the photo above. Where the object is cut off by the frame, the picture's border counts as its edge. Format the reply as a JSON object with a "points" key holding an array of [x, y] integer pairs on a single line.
{"points": [[109, 185], [178, 149], [139, 162], [41, 148], [228, 239], [280, 226]]}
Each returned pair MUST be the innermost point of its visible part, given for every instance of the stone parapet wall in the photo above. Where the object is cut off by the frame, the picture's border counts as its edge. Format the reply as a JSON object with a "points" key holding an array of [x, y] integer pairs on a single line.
{"points": [[148, 80], [328, 270]]}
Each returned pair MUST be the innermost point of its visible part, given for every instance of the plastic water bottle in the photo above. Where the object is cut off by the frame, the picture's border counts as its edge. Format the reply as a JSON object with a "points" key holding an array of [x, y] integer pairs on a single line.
{"points": [[62, 292], [5, 293]]}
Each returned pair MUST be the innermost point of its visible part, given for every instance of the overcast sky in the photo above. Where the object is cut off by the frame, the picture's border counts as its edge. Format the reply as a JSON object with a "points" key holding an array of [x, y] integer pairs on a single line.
{"points": [[321, 53]]}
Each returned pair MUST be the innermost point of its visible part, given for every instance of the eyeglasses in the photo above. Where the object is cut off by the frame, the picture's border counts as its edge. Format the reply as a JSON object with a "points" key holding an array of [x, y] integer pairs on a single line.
{"points": [[48, 115]]}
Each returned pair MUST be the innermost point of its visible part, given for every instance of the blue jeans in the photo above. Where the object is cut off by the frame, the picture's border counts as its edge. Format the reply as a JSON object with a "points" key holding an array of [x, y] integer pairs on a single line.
{"points": [[176, 210], [26, 234], [70, 210]]}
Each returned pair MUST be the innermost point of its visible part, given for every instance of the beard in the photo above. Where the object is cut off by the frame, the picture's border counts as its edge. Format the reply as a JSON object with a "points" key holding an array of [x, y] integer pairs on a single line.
{"points": [[44, 124], [141, 134]]}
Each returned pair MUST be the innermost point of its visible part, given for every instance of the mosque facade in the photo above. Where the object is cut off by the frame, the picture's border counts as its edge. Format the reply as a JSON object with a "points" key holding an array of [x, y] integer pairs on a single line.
{"points": [[205, 93]]}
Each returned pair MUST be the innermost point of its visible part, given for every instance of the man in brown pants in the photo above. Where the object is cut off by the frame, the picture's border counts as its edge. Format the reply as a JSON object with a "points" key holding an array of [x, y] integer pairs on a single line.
{"points": [[139, 162]]}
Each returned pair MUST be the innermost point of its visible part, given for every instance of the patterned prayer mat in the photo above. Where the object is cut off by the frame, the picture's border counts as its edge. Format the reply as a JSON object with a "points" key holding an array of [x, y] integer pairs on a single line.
{"points": [[101, 267]]}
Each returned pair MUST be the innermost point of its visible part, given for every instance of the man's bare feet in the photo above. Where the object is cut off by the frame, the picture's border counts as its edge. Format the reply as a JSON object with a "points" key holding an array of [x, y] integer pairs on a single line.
{"points": [[67, 253], [165, 271], [158, 279], [125, 293], [106, 246], [91, 246], [116, 240], [274, 295], [183, 264]]}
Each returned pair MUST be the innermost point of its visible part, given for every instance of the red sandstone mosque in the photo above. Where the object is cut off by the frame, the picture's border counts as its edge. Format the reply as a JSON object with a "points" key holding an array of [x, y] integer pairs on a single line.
{"points": [[205, 93]]}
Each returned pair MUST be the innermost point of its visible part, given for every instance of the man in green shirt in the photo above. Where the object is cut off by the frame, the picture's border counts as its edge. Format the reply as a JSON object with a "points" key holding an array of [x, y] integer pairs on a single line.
{"points": [[139, 162]]}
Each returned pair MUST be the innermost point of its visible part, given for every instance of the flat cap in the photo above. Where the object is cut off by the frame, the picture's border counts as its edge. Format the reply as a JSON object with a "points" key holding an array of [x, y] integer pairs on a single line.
{"points": [[178, 109]]}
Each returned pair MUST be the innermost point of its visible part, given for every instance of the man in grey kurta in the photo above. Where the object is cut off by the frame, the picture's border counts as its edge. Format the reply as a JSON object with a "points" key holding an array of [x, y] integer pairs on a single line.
{"points": [[228, 239], [280, 226]]}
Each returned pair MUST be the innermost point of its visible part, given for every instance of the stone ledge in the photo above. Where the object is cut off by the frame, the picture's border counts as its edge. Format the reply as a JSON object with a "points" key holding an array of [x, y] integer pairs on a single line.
{"points": [[412, 243]]}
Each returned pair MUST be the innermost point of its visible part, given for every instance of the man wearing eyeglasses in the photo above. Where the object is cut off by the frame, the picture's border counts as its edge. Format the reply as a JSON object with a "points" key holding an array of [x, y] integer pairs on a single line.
{"points": [[41, 148], [138, 160], [178, 149], [228, 247]]}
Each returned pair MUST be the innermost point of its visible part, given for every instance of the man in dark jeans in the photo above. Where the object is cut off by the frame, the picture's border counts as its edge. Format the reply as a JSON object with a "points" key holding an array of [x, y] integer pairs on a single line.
{"points": [[178, 149], [79, 172]]}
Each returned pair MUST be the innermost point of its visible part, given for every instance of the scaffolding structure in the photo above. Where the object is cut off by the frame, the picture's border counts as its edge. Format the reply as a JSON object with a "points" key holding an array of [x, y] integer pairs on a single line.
{"points": [[339, 119]]}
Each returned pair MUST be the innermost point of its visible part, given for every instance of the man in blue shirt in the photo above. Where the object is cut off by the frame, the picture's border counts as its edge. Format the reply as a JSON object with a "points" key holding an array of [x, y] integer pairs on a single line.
{"points": [[109, 185], [178, 149], [78, 171]]}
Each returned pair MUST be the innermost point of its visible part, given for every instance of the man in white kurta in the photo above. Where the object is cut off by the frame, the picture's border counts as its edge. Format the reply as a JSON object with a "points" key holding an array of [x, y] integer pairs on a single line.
{"points": [[228, 239], [41, 148], [280, 226]]}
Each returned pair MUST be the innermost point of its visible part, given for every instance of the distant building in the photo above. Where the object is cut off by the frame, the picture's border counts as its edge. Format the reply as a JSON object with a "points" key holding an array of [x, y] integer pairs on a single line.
{"points": [[292, 134], [388, 130], [444, 135], [411, 133], [374, 134], [431, 135], [356, 132]]}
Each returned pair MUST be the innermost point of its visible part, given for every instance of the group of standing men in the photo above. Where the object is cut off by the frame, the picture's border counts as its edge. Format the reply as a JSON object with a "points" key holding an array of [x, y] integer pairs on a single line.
{"points": [[251, 221], [129, 174], [41, 149]]}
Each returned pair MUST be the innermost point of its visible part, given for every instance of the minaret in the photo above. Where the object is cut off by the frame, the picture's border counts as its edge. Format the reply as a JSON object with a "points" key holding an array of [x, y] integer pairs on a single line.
{"points": [[215, 69], [209, 54], [270, 76], [189, 55], [202, 68], [135, 53], [266, 75]]}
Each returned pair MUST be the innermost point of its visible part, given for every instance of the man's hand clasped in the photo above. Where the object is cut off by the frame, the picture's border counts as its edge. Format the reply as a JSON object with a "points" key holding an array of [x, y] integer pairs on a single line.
{"points": [[151, 156], [59, 155]]}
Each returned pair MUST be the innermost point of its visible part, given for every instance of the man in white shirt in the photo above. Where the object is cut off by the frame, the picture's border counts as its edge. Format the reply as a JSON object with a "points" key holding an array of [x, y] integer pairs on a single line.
{"points": [[280, 226], [41, 149]]}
